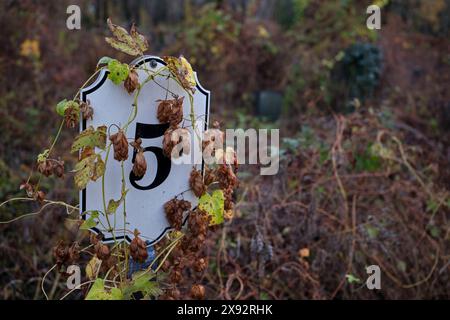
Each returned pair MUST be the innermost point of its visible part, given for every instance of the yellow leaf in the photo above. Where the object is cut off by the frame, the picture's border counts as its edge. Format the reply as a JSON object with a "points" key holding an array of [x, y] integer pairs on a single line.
{"points": [[303, 253], [92, 267], [262, 32], [122, 46], [90, 138], [89, 168], [139, 39], [182, 70], [214, 205], [30, 48], [134, 44]]}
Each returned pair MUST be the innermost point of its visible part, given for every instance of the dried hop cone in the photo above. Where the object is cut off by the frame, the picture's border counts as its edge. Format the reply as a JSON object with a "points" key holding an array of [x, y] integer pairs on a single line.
{"points": [[108, 265], [163, 113], [111, 262], [60, 253], [174, 212], [179, 259], [200, 265], [175, 276], [176, 137], [165, 266], [226, 177], [45, 167], [228, 215], [140, 165], [198, 292], [228, 203], [168, 142], [72, 114], [196, 183], [74, 252], [39, 196], [198, 222], [216, 124], [120, 144], [173, 293], [210, 176], [51, 166], [138, 249], [102, 251], [58, 168], [132, 81], [196, 243], [95, 238], [28, 188], [170, 111], [86, 110]]}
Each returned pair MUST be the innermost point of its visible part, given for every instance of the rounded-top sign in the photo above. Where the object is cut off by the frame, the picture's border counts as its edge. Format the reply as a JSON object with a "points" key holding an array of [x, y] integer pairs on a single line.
{"points": [[164, 180]]}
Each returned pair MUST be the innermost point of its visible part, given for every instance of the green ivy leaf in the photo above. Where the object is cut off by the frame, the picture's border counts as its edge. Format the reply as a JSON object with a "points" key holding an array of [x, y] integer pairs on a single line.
{"points": [[90, 138], [90, 222], [61, 107], [93, 267], [90, 168], [142, 282], [214, 205], [99, 292], [118, 72]]}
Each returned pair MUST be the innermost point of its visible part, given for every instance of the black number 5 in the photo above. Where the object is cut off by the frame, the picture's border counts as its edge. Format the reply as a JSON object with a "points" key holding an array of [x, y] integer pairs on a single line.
{"points": [[149, 131]]}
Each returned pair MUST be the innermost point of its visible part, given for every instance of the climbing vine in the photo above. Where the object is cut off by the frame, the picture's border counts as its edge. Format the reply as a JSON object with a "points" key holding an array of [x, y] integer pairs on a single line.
{"points": [[119, 270]]}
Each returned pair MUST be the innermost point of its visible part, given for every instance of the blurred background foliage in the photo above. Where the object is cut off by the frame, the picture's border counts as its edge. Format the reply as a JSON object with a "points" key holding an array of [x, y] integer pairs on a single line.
{"points": [[344, 197]]}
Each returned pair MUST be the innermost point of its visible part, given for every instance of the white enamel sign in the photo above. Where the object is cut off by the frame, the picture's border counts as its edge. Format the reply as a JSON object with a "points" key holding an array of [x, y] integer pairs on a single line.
{"points": [[164, 179]]}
